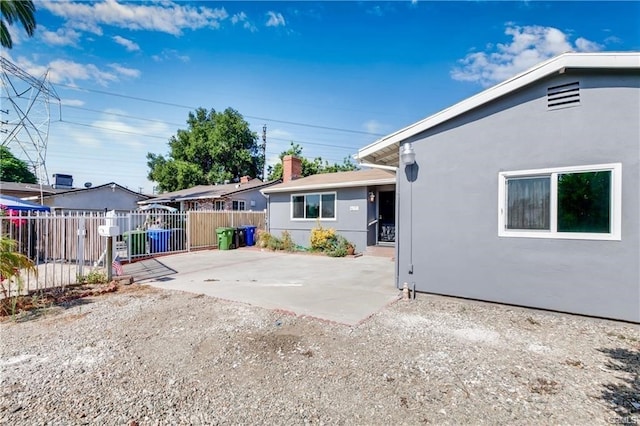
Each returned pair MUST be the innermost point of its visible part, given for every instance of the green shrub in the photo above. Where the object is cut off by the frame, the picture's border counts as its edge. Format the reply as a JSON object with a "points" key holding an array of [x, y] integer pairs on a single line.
{"points": [[322, 239], [274, 243], [338, 247]]}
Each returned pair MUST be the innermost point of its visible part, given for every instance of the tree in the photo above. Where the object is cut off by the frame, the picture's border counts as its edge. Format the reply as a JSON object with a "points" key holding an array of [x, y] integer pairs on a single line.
{"points": [[13, 169], [313, 167], [215, 148], [16, 10]]}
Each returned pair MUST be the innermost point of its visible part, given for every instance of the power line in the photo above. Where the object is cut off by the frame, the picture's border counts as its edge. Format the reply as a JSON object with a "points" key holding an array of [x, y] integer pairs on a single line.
{"points": [[112, 130], [176, 124], [154, 101], [166, 138], [115, 114]]}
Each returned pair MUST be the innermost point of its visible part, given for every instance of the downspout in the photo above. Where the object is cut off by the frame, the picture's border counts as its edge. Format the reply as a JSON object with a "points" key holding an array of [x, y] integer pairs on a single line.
{"points": [[408, 159], [267, 221]]}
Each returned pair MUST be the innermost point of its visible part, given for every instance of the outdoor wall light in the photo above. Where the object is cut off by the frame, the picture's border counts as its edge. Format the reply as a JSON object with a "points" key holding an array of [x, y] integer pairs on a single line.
{"points": [[372, 196], [408, 155]]}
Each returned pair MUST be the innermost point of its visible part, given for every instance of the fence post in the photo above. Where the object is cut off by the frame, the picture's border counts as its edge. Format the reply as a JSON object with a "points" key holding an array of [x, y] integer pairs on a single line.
{"points": [[82, 231], [109, 259]]}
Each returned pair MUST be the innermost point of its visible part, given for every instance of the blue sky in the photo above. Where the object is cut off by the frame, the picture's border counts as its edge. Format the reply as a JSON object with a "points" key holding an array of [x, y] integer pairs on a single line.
{"points": [[330, 76]]}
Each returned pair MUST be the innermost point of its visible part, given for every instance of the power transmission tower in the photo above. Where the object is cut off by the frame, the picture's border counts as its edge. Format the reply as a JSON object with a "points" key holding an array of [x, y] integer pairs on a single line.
{"points": [[25, 117]]}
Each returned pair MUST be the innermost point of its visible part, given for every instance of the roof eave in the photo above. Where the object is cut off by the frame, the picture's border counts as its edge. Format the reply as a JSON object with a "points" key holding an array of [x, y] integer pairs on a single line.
{"points": [[313, 187], [609, 60]]}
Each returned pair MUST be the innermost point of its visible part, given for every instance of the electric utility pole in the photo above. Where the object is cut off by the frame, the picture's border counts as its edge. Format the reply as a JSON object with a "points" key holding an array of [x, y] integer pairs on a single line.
{"points": [[264, 152]]}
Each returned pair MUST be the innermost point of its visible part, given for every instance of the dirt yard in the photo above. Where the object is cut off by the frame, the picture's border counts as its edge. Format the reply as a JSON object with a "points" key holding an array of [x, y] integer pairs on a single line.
{"points": [[141, 356]]}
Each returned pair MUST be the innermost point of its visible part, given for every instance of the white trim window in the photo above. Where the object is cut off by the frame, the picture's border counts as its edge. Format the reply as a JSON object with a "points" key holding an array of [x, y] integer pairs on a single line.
{"points": [[583, 202], [321, 205], [238, 205]]}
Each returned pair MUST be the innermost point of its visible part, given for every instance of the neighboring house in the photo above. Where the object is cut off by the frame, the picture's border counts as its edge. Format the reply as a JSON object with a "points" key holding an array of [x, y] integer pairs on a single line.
{"points": [[527, 193], [27, 190], [359, 205], [244, 196], [110, 196]]}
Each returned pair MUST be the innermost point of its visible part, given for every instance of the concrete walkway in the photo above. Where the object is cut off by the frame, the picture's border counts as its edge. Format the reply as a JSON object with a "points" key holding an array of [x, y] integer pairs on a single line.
{"points": [[343, 290]]}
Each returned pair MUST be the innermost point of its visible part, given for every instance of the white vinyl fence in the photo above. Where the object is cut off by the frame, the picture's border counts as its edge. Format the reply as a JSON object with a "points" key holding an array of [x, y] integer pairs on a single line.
{"points": [[66, 248]]}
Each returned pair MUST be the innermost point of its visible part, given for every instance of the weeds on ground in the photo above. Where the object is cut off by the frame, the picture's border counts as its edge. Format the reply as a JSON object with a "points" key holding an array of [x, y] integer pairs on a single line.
{"points": [[271, 242], [12, 263], [93, 277]]}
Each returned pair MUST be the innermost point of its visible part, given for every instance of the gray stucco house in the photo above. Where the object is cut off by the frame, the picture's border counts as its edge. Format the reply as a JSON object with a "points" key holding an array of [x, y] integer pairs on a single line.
{"points": [[239, 196], [527, 193], [359, 205], [101, 198]]}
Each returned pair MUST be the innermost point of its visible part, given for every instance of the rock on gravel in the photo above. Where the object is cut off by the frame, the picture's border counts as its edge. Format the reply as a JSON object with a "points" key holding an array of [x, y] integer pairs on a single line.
{"points": [[151, 357]]}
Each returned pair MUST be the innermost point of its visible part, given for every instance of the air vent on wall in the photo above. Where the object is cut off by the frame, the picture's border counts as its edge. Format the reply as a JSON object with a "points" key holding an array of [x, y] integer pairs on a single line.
{"points": [[563, 96]]}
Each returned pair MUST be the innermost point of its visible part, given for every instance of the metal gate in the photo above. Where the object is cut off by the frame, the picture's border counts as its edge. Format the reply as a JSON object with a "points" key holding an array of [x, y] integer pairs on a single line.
{"points": [[65, 248]]}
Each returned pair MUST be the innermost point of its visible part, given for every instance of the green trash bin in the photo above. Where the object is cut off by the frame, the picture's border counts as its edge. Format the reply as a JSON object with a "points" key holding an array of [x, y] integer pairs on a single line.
{"points": [[225, 238], [136, 242]]}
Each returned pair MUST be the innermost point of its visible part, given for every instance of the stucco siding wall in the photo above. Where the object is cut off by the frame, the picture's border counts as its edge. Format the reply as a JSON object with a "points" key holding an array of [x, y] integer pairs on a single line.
{"points": [[350, 222], [448, 216], [260, 202]]}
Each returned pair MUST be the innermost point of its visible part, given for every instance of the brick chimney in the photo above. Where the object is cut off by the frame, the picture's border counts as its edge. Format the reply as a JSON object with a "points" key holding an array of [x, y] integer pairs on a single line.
{"points": [[291, 168], [245, 179]]}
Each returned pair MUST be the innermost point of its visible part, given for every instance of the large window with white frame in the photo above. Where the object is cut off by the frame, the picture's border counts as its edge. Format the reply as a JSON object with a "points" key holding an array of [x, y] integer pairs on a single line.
{"points": [[582, 202], [313, 206]]}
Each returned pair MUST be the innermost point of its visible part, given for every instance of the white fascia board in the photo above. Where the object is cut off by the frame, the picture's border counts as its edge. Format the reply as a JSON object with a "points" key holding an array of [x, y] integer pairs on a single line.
{"points": [[607, 60], [331, 186], [378, 166]]}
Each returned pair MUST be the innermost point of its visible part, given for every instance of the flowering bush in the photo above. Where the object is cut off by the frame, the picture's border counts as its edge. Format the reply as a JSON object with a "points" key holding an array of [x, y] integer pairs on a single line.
{"points": [[322, 238], [14, 214]]}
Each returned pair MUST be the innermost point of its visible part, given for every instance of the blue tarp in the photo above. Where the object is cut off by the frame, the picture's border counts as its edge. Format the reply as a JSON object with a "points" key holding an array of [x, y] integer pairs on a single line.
{"points": [[15, 203]]}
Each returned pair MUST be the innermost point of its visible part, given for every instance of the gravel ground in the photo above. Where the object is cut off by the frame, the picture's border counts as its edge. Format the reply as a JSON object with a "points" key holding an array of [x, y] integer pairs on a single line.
{"points": [[148, 357]]}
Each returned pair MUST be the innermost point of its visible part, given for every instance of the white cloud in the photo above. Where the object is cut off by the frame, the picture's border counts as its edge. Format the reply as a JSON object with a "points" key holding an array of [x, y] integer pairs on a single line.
{"points": [[165, 16], [275, 19], [60, 37], [585, 45], [373, 126], [68, 72], [72, 102], [244, 20], [613, 40], [169, 55], [128, 44], [61, 70], [127, 72], [529, 45], [17, 34]]}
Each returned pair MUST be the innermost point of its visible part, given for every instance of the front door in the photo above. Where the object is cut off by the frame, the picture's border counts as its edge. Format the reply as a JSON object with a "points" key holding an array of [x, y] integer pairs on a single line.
{"points": [[386, 216]]}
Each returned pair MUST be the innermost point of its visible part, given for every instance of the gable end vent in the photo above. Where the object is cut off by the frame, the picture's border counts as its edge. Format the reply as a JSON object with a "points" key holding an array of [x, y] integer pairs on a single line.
{"points": [[563, 96]]}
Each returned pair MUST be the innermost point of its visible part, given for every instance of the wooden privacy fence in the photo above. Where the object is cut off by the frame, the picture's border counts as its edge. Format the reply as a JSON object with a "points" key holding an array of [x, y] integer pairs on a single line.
{"points": [[66, 248], [203, 225]]}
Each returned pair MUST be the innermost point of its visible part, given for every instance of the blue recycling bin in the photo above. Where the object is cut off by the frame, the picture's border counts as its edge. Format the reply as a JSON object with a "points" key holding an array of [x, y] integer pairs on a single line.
{"points": [[158, 240], [250, 235]]}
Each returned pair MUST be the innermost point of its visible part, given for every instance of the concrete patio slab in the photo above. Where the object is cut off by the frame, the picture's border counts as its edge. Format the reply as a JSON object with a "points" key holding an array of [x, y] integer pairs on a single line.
{"points": [[343, 290]]}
